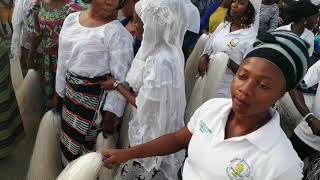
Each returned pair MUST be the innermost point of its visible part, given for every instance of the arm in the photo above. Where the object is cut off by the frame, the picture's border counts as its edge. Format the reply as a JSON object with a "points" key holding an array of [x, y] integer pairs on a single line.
{"points": [[36, 34], [300, 104], [164, 145], [121, 56]]}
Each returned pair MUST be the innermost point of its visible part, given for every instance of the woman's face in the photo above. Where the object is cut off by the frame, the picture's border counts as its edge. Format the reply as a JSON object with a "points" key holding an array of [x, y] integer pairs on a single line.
{"points": [[105, 8], [239, 8], [138, 25], [257, 85]]}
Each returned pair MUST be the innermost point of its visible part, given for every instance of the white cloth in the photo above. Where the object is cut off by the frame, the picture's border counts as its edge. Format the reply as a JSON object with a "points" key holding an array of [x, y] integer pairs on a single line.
{"points": [[94, 51], [20, 36], [307, 36], [303, 131], [265, 154], [193, 17], [157, 77], [316, 2], [235, 44]]}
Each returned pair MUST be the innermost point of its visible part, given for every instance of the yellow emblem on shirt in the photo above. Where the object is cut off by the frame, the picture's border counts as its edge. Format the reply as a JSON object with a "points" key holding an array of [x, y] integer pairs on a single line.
{"points": [[239, 169]]}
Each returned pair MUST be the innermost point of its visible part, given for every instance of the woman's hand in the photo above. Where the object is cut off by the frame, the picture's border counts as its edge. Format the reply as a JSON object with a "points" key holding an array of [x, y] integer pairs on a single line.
{"points": [[315, 126], [108, 84], [203, 64], [115, 156]]}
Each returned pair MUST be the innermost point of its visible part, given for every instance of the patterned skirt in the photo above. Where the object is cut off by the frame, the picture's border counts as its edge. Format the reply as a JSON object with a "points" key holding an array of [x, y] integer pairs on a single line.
{"points": [[11, 127], [80, 123]]}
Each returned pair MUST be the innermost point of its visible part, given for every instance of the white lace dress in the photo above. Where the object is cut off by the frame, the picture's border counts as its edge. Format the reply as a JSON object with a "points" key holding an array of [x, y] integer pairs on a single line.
{"points": [[156, 75]]}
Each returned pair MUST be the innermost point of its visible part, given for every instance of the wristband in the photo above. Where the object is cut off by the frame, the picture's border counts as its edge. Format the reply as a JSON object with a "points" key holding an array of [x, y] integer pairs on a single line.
{"points": [[306, 118]]}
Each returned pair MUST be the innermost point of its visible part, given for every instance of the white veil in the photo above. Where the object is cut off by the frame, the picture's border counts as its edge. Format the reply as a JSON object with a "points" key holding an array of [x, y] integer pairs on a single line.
{"points": [[161, 98]]}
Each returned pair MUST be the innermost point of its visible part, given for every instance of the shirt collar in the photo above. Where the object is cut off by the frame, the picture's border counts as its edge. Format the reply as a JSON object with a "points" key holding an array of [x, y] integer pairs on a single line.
{"points": [[266, 136]]}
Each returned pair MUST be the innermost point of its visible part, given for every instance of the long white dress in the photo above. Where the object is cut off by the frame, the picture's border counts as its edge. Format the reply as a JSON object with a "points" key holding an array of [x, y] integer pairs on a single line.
{"points": [[157, 77]]}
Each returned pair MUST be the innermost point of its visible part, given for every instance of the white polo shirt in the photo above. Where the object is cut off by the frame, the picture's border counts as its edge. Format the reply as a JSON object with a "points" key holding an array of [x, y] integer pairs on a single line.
{"points": [[303, 131], [265, 154]]}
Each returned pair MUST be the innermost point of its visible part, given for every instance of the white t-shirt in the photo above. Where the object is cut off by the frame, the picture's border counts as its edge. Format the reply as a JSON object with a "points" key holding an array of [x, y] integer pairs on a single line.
{"points": [[94, 51], [235, 44], [303, 131], [265, 154], [307, 36]]}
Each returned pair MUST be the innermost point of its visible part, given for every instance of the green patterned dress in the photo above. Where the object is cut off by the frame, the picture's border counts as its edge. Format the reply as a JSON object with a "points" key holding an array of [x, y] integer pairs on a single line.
{"points": [[11, 127], [47, 25]]}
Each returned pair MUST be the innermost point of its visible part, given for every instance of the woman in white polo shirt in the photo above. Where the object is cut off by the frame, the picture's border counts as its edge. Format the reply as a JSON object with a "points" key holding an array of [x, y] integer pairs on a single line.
{"points": [[301, 11], [239, 138]]}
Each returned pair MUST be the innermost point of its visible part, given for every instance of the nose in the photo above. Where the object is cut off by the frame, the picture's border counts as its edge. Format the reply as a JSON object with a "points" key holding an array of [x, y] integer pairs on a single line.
{"points": [[247, 88]]}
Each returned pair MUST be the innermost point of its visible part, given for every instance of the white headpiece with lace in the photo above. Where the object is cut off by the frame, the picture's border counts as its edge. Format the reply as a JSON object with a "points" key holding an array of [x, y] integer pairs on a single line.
{"points": [[158, 71]]}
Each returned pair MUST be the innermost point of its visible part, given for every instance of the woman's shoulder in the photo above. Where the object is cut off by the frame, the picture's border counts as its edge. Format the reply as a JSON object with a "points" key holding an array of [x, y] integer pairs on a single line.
{"points": [[116, 31], [72, 18]]}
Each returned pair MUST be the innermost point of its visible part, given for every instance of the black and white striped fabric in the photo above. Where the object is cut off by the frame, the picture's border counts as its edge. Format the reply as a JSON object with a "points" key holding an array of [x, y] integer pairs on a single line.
{"points": [[80, 123], [287, 51]]}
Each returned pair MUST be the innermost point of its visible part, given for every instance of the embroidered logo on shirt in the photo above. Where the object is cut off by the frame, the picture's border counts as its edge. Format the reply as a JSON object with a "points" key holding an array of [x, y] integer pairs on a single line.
{"points": [[239, 169], [204, 128], [234, 43]]}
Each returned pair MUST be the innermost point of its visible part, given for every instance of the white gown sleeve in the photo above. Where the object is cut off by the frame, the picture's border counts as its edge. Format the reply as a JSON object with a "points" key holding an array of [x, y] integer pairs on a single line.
{"points": [[61, 70], [121, 56]]}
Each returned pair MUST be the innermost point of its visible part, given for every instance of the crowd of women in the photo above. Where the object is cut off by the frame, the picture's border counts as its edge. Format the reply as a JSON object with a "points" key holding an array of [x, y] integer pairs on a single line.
{"points": [[190, 89]]}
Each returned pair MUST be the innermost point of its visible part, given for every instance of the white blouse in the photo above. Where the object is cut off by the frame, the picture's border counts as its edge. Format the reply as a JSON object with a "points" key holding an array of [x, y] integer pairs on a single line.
{"points": [[94, 51]]}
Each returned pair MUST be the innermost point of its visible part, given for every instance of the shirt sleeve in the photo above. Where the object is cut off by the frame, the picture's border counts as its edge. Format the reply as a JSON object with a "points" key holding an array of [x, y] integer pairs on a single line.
{"points": [[193, 121], [313, 75], [61, 69], [293, 173], [208, 49], [121, 56]]}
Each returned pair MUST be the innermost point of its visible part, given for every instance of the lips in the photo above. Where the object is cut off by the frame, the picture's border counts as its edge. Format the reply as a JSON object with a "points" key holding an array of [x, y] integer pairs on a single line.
{"points": [[240, 102]]}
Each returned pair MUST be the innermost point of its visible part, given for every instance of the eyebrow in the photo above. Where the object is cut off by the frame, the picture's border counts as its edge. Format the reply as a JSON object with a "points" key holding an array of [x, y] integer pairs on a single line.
{"points": [[259, 75]]}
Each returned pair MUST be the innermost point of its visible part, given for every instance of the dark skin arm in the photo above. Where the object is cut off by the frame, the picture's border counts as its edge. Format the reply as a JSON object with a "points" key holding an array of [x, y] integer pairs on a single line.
{"points": [[130, 96], [299, 102], [164, 145], [204, 65]]}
